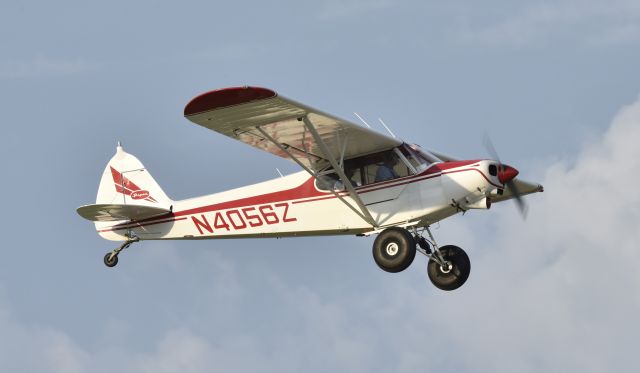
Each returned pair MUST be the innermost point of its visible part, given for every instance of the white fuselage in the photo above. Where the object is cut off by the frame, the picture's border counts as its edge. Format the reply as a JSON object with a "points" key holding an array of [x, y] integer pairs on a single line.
{"points": [[294, 206]]}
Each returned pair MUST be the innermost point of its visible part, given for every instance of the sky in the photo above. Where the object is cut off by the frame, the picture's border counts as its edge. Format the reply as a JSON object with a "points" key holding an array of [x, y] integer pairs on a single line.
{"points": [[554, 83]]}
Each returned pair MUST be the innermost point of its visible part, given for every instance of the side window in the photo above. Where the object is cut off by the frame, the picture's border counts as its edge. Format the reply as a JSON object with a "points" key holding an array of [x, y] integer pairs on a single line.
{"points": [[355, 175], [327, 181], [332, 180], [390, 167], [370, 173], [401, 168], [372, 168]]}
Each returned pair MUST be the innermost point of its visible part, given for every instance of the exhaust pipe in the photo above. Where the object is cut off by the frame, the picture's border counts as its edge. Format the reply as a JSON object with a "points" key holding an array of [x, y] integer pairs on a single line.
{"points": [[482, 204]]}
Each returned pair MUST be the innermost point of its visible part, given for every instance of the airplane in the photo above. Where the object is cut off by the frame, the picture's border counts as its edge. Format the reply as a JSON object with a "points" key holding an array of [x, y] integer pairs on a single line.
{"points": [[354, 181]]}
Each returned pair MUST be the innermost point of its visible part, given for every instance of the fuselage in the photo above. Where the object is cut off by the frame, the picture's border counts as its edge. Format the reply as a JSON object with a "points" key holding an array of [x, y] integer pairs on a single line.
{"points": [[294, 206]]}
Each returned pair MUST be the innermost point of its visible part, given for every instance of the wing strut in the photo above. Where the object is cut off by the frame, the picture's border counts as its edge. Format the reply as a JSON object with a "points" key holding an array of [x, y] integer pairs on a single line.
{"points": [[365, 215], [345, 180]]}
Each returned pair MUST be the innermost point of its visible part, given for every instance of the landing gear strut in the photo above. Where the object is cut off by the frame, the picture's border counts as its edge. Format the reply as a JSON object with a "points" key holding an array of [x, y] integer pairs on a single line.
{"points": [[111, 258]]}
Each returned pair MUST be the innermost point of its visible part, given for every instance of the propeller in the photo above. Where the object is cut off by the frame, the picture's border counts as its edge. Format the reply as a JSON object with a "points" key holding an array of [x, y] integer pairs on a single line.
{"points": [[506, 175]]}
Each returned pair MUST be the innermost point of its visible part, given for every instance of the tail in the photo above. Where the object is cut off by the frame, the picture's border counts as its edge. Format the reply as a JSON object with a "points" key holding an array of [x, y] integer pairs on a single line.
{"points": [[126, 181], [126, 192]]}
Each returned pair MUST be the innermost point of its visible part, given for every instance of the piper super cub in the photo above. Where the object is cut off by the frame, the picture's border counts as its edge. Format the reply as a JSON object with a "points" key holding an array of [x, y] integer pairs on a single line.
{"points": [[354, 181]]}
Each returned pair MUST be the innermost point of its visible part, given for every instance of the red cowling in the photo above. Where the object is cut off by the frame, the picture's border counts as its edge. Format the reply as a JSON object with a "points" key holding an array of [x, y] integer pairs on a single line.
{"points": [[506, 173]]}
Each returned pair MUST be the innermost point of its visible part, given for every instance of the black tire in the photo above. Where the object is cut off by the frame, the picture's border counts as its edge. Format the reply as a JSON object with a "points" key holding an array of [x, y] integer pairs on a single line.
{"points": [[457, 275], [110, 261], [394, 249]]}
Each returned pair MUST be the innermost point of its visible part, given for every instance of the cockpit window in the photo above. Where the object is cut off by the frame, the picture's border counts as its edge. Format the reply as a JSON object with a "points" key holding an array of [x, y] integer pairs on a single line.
{"points": [[424, 154], [420, 159], [378, 167], [330, 180], [327, 181], [368, 169], [418, 162]]}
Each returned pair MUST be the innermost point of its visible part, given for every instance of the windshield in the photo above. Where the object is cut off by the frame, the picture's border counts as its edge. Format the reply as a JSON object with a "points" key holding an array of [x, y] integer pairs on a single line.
{"points": [[419, 158]]}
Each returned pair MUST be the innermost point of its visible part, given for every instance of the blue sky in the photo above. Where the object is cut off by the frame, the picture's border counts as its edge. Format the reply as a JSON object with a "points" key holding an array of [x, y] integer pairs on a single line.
{"points": [[555, 84]]}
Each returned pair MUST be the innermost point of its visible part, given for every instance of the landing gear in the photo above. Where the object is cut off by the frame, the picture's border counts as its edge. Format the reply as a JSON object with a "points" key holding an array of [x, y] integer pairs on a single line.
{"points": [[448, 267], [394, 249], [455, 271], [111, 258]]}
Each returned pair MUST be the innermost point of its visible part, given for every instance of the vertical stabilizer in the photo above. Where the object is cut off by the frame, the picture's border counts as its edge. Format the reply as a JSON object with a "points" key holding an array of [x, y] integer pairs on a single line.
{"points": [[126, 181]]}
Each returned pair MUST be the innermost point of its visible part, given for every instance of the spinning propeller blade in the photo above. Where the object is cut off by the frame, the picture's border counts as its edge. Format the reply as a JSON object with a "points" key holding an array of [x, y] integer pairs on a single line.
{"points": [[506, 174]]}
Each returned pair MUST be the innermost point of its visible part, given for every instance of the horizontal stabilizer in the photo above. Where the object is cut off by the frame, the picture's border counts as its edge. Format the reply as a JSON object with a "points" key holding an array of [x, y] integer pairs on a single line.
{"points": [[117, 212]]}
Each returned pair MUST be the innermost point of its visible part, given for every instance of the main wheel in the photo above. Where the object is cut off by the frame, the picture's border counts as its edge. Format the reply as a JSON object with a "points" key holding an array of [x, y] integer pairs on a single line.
{"points": [[455, 274], [110, 261], [394, 249]]}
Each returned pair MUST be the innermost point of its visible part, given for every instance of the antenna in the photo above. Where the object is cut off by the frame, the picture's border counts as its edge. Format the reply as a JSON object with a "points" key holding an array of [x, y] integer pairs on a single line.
{"points": [[362, 120], [387, 128], [280, 173]]}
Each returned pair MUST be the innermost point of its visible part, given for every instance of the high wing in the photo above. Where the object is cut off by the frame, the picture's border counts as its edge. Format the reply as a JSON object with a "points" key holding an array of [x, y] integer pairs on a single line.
{"points": [[256, 116]]}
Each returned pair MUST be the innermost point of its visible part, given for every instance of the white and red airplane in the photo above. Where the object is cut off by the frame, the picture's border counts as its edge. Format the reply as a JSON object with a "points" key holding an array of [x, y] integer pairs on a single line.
{"points": [[354, 181]]}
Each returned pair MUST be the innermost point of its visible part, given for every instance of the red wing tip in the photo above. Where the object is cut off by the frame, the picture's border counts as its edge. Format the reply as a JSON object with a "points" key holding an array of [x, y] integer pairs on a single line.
{"points": [[226, 97]]}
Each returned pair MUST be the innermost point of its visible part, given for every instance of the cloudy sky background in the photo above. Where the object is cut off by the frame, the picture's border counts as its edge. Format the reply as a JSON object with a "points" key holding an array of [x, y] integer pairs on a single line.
{"points": [[555, 84]]}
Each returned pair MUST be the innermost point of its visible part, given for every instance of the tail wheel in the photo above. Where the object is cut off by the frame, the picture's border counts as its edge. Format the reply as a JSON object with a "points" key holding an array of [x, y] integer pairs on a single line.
{"points": [[455, 273], [110, 260], [394, 249]]}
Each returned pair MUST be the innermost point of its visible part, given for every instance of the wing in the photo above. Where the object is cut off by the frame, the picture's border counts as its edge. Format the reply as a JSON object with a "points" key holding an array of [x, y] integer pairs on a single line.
{"points": [[256, 116]]}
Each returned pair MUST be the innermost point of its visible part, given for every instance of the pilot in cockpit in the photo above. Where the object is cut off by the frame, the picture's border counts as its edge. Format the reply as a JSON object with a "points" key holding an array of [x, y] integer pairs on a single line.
{"points": [[385, 170]]}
